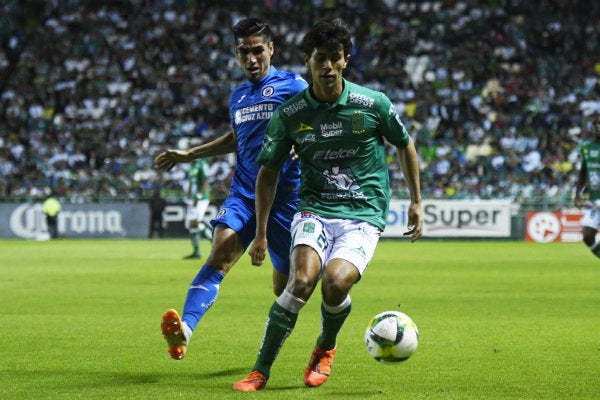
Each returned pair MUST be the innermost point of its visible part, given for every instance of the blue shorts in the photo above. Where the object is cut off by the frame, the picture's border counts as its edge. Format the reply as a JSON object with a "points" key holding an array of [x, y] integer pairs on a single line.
{"points": [[239, 214]]}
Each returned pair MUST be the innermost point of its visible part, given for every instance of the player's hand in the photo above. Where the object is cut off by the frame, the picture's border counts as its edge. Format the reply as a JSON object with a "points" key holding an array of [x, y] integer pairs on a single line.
{"points": [[415, 222], [167, 160], [293, 154], [258, 250]]}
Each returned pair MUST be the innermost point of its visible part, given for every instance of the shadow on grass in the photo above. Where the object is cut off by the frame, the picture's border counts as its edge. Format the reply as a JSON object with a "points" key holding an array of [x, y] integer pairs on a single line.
{"points": [[113, 378], [38, 384], [157, 377]]}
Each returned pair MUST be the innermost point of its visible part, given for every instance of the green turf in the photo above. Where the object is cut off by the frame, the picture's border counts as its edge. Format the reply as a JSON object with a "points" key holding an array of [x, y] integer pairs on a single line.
{"points": [[498, 320]]}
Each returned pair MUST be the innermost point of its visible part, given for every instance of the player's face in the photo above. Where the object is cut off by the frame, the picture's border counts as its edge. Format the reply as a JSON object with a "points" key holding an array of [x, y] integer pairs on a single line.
{"points": [[326, 67], [254, 55]]}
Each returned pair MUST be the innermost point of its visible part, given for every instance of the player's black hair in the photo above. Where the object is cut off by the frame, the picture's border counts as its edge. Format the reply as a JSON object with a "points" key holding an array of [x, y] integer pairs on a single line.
{"points": [[250, 27], [329, 33]]}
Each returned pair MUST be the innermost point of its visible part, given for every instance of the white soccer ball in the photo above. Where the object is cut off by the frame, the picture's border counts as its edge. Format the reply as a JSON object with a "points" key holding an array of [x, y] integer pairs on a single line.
{"points": [[391, 337]]}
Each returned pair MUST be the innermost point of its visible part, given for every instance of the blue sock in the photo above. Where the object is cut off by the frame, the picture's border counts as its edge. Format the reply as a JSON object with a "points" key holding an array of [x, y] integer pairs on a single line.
{"points": [[201, 295]]}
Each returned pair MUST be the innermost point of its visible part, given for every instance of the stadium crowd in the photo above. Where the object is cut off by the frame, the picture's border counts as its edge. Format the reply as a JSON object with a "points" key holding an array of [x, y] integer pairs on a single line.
{"points": [[497, 94]]}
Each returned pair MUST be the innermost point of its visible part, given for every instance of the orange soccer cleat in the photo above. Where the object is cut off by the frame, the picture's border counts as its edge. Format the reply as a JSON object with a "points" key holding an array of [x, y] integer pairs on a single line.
{"points": [[172, 330], [319, 367], [253, 382]]}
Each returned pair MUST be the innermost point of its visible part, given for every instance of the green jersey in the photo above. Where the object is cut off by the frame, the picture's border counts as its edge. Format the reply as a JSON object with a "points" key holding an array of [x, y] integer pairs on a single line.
{"points": [[342, 151], [590, 158], [198, 176]]}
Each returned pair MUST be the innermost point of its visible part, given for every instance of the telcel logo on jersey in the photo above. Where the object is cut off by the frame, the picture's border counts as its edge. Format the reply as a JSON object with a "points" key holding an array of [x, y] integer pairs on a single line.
{"points": [[335, 154]]}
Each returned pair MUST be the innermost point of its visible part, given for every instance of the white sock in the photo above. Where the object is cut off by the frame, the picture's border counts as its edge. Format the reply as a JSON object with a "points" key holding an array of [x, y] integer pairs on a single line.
{"points": [[187, 332], [337, 309], [290, 302]]}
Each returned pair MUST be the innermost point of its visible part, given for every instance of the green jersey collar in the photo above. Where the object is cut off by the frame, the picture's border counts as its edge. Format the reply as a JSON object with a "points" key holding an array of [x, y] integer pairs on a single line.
{"points": [[342, 100]]}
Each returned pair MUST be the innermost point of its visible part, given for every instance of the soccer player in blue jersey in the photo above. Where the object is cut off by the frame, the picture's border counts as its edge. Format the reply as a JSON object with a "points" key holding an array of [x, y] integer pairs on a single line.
{"points": [[251, 106]]}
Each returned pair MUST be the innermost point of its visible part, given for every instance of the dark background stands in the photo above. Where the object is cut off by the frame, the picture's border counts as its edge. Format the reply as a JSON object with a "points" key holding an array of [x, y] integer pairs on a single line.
{"points": [[497, 94]]}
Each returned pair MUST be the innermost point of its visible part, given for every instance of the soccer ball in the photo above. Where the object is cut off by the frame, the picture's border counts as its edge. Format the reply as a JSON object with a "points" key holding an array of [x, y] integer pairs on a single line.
{"points": [[391, 337]]}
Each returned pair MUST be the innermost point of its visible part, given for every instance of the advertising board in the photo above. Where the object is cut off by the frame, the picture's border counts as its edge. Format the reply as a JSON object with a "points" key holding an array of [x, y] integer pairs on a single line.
{"points": [[548, 226], [454, 218]]}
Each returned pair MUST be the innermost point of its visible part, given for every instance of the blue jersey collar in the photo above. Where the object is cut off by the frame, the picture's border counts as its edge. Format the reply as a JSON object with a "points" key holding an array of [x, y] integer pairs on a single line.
{"points": [[272, 71]]}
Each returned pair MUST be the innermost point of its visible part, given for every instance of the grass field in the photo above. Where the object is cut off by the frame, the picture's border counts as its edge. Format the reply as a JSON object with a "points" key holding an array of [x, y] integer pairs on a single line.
{"points": [[498, 320]]}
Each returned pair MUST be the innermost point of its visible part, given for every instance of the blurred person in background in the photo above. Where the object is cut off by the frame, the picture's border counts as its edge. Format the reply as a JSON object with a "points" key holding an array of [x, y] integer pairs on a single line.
{"points": [[51, 208], [157, 206], [198, 201], [251, 106], [194, 223], [589, 182]]}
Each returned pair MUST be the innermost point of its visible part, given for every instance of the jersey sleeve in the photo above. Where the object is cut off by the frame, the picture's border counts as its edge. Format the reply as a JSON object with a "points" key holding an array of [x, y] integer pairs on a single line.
{"points": [[298, 84], [391, 127], [276, 145]]}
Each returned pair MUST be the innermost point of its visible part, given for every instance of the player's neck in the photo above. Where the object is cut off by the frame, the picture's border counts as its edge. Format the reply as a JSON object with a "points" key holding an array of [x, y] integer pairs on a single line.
{"points": [[327, 95]]}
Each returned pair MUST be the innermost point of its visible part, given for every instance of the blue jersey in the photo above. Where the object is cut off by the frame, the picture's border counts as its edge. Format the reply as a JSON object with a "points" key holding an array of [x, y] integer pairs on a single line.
{"points": [[251, 106]]}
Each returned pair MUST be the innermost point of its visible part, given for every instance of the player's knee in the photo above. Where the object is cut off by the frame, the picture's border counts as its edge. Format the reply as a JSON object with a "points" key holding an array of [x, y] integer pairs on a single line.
{"points": [[302, 286], [339, 277], [221, 261], [335, 290]]}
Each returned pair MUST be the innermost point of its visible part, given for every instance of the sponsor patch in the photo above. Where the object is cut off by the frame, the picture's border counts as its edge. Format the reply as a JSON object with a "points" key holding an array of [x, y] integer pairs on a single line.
{"points": [[308, 227]]}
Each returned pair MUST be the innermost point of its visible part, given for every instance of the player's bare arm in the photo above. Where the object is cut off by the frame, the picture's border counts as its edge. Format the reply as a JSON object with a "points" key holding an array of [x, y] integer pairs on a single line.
{"points": [[222, 145], [266, 185], [410, 167]]}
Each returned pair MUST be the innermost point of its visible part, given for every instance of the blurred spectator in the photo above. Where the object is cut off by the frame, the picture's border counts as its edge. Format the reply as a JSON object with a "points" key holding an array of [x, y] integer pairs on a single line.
{"points": [[51, 208], [157, 206], [497, 95]]}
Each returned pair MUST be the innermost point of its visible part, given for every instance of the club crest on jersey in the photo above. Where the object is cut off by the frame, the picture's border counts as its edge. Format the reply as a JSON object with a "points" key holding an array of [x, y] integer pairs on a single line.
{"points": [[268, 91], [358, 123]]}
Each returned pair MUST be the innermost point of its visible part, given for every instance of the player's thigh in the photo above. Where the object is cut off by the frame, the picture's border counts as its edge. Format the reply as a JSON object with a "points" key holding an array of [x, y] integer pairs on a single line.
{"points": [[355, 242], [227, 248], [305, 271], [338, 278], [238, 214]]}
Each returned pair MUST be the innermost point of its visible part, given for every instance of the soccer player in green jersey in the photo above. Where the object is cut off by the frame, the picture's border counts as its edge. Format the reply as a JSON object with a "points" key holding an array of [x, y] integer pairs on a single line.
{"points": [[338, 130], [197, 203], [589, 180]]}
